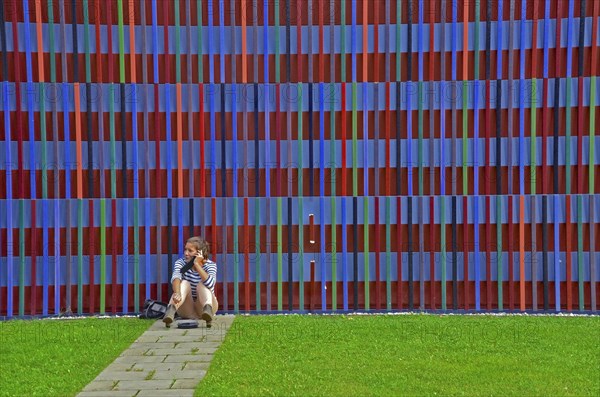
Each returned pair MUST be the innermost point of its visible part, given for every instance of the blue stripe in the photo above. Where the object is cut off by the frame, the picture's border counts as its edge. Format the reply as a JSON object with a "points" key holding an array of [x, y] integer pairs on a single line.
{"points": [[136, 188], [546, 37], [168, 143], [322, 142], [125, 257], [499, 51], [29, 97], [211, 62], [147, 248], [213, 165], [222, 38], [234, 141], [344, 254], [154, 43], [556, 250], [45, 257], [67, 133]]}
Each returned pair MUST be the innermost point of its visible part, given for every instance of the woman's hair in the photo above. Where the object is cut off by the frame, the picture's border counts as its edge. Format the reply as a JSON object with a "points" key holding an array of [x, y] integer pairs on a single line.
{"points": [[200, 244]]}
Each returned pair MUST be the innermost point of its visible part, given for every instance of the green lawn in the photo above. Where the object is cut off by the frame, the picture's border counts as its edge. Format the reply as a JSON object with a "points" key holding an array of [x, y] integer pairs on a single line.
{"points": [[60, 357], [407, 355]]}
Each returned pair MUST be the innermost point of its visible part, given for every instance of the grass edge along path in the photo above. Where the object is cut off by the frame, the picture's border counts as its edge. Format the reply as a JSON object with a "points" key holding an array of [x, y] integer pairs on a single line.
{"points": [[407, 355], [60, 357]]}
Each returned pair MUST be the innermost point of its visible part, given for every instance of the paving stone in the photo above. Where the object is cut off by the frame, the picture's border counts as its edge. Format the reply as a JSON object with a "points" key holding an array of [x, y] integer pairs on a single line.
{"points": [[113, 393], [98, 385], [122, 375], [185, 374], [157, 366], [153, 345], [139, 359], [181, 338], [167, 352], [166, 393], [188, 357], [194, 366], [185, 384], [134, 352], [120, 366], [200, 345], [153, 384]]}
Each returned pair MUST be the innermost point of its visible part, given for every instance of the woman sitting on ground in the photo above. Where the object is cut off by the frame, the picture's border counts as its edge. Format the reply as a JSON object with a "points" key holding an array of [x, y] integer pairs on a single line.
{"points": [[194, 291]]}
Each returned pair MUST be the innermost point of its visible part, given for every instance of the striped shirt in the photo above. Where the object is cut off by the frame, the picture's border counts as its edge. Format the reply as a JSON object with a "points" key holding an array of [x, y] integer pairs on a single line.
{"points": [[193, 276]]}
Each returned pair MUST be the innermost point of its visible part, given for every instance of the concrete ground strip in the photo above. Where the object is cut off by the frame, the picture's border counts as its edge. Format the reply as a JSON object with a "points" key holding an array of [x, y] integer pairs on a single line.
{"points": [[162, 361]]}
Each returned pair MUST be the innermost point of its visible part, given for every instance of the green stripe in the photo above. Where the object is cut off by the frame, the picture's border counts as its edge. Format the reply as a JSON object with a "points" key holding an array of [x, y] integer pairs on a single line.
{"points": [[121, 42], [398, 37], [343, 42], [136, 248], [568, 133], [592, 133], [51, 41], [333, 255], [420, 142], [279, 257], [300, 141], [354, 132], [199, 46], [580, 249], [277, 67], [465, 158], [443, 245], [300, 251], [236, 260], [113, 149], [86, 39], [44, 144], [21, 257], [177, 45], [366, 248], [499, 250], [80, 256], [257, 239], [102, 255], [533, 135], [388, 262]]}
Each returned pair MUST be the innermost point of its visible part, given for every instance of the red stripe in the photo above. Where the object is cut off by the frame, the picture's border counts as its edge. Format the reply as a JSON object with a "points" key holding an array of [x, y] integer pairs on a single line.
{"points": [[278, 134], [568, 251], [157, 140], [511, 269], [92, 243], [488, 245], [21, 186], [247, 257], [432, 247], [465, 253], [321, 46], [580, 127], [377, 259], [399, 259], [114, 255], [388, 169], [343, 140], [98, 54], [166, 39], [558, 71], [111, 63], [202, 171], [299, 39], [33, 259]]}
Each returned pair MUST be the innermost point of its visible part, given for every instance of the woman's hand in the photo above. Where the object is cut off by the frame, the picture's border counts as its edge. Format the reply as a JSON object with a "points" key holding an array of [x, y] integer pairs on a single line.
{"points": [[176, 297], [199, 260]]}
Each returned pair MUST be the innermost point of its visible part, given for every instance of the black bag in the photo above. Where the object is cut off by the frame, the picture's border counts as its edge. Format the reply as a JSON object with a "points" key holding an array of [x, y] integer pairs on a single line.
{"points": [[153, 309]]}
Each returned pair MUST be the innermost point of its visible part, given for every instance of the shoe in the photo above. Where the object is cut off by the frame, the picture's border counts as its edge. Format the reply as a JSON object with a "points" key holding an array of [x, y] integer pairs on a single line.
{"points": [[169, 315], [207, 314]]}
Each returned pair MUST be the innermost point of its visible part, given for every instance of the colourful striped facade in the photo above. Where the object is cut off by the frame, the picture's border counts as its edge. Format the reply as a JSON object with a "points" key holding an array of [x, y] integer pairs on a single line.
{"points": [[337, 154]]}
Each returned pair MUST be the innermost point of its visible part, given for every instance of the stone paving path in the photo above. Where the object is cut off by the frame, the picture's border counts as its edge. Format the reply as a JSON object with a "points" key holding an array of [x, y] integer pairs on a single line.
{"points": [[162, 361]]}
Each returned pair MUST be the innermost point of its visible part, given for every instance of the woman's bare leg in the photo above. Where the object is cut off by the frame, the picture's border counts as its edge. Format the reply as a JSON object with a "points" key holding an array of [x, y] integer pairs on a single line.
{"points": [[205, 297]]}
